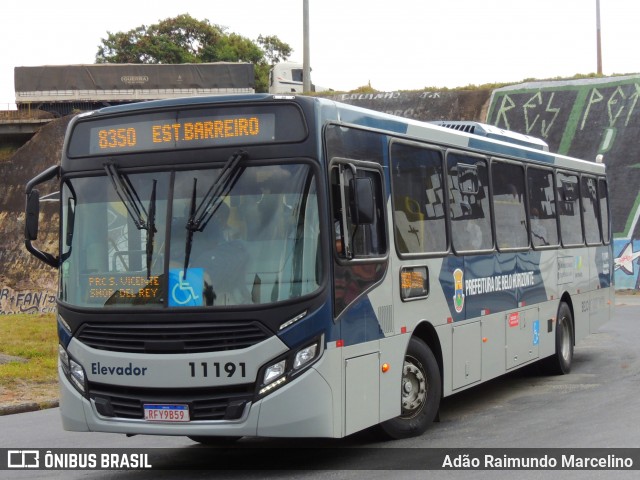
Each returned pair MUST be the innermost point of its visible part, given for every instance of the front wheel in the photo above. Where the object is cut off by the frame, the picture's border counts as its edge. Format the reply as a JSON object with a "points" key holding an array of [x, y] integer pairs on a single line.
{"points": [[420, 392]]}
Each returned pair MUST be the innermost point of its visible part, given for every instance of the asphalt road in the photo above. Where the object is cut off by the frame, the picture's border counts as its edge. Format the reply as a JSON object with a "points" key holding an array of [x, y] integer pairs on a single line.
{"points": [[596, 406]]}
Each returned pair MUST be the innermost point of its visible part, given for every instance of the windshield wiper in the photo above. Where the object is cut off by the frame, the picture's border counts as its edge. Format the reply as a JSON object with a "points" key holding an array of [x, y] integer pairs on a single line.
{"points": [[142, 219], [199, 216], [127, 195]]}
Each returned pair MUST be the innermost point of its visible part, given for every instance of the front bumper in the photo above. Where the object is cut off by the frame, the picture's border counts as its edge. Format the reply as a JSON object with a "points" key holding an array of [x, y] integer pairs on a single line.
{"points": [[303, 408]]}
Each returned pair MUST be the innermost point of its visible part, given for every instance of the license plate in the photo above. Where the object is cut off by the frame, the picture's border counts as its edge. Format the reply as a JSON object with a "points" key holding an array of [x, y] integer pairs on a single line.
{"points": [[166, 413]]}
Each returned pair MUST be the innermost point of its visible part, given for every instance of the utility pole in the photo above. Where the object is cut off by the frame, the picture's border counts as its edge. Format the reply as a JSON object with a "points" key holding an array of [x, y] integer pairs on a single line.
{"points": [[599, 42], [306, 65]]}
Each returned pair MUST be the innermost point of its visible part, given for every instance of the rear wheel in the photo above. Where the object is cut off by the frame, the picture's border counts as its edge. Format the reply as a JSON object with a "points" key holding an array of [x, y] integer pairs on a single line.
{"points": [[560, 362], [420, 390]]}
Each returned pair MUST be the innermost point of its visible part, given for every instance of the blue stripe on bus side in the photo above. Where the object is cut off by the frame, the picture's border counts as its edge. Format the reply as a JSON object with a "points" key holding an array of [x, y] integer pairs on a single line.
{"points": [[312, 325], [358, 324]]}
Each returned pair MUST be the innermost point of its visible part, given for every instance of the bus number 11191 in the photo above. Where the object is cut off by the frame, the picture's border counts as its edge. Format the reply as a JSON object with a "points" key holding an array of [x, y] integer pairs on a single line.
{"points": [[218, 369]]}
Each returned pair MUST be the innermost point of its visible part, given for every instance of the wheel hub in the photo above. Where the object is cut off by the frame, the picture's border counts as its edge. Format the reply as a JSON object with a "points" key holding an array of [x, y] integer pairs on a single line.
{"points": [[414, 388]]}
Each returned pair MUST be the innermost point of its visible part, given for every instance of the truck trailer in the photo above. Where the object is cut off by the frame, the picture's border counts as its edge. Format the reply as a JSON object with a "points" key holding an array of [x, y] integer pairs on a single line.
{"points": [[63, 89]]}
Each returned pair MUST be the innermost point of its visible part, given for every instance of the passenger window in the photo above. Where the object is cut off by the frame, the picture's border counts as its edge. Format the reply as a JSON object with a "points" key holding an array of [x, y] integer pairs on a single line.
{"points": [[589, 194], [542, 208], [469, 202], [569, 208], [418, 199], [508, 205]]}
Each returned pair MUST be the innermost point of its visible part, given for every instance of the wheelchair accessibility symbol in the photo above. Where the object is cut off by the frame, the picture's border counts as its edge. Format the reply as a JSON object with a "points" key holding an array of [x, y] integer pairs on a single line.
{"points": [[536, 332], [186, 292]]}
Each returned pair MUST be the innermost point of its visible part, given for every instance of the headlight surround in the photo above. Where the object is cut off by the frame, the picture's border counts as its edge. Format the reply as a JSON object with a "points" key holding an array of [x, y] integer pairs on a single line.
{"points": [[279, 371], [72, 370]]}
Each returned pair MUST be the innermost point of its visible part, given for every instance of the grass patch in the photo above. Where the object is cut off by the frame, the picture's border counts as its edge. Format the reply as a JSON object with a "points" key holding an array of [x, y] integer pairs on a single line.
{"points": [[33, 338]]}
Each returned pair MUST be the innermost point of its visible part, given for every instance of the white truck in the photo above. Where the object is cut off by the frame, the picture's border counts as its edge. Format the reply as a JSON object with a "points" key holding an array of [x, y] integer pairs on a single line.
{"points": [[286, 77]]}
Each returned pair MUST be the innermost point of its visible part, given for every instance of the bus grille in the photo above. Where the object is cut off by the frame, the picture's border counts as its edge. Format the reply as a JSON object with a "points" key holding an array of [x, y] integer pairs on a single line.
{"points": [[173, 338], [219, 403]]}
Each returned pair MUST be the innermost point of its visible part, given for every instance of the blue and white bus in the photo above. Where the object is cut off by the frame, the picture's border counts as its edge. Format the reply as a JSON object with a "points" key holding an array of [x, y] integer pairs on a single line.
{"points": [[290, 266]]}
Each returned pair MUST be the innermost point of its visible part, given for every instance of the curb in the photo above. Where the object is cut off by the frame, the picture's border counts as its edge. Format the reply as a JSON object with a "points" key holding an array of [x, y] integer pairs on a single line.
{"points": [[27, 407], [627, 300]]}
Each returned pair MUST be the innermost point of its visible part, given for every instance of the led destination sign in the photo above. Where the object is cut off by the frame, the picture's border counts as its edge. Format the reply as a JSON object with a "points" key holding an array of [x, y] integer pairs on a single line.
{"points": [[191, 132], [215, 126]]}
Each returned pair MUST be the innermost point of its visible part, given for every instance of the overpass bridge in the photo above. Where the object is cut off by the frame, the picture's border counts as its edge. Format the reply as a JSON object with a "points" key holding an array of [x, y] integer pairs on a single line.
{"points": [[18, 126]]}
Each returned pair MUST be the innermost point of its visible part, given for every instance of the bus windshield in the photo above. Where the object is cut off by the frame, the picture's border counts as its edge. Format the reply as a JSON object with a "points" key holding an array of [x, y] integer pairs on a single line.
{"points": [[127, 243]]}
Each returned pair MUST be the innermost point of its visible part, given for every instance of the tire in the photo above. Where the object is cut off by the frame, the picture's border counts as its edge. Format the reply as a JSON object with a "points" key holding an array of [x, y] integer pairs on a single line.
{"points": [[420, 391], [215, 441], [560, 362]]}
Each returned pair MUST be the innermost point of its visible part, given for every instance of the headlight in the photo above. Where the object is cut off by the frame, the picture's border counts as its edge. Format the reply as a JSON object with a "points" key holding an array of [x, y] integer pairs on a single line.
{"points": [[304, 356], [274, 371], [77, 375]]}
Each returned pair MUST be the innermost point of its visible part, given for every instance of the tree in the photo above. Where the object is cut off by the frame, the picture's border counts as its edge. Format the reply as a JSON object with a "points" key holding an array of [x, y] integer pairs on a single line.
{"points": [[274, 49], [184, 39]]}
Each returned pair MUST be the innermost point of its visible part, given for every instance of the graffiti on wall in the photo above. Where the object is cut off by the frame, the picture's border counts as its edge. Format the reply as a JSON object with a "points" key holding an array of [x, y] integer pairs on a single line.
{"points": [[29, 301], [584, 119], [602, 110], [627, 264], [425, 106], [538, 113]]}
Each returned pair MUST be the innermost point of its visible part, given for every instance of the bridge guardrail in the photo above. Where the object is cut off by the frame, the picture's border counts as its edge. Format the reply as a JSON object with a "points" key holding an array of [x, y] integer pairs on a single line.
{"points": [[9, 113]]}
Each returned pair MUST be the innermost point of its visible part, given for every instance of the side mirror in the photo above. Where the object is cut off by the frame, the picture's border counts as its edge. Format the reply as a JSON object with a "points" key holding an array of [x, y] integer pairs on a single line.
{"points": [[32, 215], [362, 203]]}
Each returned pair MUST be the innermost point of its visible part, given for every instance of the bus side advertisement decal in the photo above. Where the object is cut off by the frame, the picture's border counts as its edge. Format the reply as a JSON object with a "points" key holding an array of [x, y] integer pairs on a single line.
{"points": [[472, 293]]}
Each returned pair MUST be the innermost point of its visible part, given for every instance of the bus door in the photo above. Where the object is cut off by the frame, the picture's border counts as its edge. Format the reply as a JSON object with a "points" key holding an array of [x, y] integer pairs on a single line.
{"points": [[361, 301]]}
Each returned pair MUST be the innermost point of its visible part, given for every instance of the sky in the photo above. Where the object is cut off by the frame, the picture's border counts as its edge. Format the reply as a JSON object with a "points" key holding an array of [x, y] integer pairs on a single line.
{"points": [[399, 45]]}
